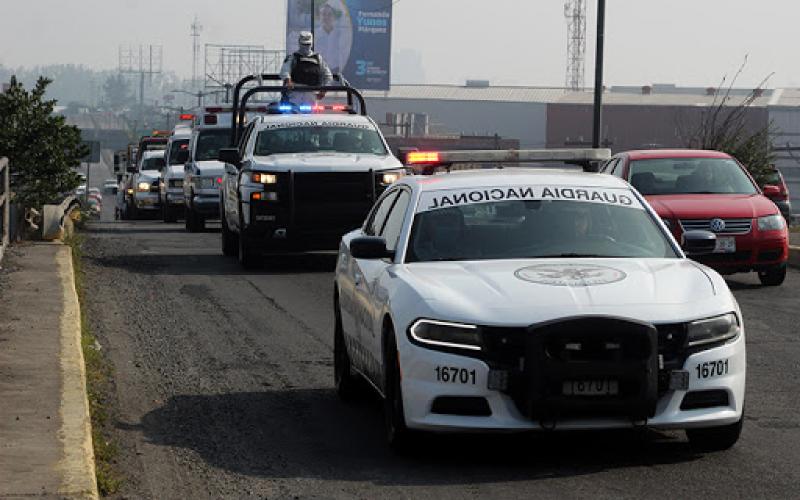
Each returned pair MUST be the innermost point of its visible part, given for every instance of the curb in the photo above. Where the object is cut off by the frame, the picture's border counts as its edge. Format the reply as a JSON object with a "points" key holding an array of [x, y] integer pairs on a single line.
{"points": [[77, 467], [794, 257]]}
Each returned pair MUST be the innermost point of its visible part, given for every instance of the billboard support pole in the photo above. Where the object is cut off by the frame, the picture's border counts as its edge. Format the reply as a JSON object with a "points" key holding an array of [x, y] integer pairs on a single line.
{"points": [[313, 23]]}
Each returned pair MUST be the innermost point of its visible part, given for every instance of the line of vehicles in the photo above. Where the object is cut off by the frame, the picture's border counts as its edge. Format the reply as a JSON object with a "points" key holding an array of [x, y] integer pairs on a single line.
{"points": [[480, 295]]}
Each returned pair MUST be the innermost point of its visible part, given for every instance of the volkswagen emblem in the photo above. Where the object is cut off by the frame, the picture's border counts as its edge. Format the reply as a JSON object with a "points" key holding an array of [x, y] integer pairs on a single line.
{"points": [[717, 225]]}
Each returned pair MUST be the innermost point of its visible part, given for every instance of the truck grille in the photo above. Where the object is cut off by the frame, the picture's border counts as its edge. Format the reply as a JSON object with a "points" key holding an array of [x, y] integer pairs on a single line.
{"points": [[338, 201], [732, 226]]}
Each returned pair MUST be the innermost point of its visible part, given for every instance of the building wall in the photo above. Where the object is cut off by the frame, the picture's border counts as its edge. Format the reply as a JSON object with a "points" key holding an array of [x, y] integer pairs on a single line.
{"points": [[628, 127], [514, 120], [786, 124]]}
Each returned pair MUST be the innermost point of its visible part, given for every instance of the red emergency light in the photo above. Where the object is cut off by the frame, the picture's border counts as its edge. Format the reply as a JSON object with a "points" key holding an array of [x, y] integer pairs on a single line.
{"points": [[186, 117]]}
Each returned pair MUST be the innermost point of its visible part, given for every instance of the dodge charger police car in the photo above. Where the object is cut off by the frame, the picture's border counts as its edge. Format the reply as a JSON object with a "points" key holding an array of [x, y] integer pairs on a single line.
{"points": [[535, 299]]}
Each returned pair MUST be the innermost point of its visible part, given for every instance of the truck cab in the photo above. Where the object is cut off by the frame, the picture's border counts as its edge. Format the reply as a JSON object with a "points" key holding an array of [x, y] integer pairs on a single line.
{"points": [[300, 178]]}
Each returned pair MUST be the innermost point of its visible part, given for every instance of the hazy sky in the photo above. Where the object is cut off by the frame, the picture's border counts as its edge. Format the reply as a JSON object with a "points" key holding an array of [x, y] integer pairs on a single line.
{"points": [[689, 42]]}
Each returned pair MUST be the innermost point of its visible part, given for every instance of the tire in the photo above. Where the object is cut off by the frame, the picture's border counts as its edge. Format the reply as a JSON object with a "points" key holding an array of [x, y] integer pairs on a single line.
{"points": [[168, 214], [346, 383], [247, 258], [230, 243], [194, 222], [715, 438], [134, 213], [399, 437], [774, 276]]}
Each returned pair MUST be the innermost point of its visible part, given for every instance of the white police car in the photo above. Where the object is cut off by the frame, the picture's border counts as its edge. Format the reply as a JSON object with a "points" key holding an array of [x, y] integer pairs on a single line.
{"points": [[530, 299]]}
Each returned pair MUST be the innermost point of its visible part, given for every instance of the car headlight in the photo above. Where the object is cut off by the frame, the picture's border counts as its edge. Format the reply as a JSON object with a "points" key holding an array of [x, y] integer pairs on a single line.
{"points": [[712, 330], [446, 334], [143, 187], [771, 223], [388, 178], [130, 191], [265, 178]]}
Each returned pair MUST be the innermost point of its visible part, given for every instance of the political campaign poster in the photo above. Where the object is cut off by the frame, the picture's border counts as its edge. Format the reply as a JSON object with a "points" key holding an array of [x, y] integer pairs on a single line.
{"points": [[353, 36]]}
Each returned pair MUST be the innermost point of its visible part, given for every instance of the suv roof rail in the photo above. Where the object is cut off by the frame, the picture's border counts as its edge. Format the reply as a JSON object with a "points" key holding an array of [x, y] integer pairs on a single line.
{"points": [[240, 102]]}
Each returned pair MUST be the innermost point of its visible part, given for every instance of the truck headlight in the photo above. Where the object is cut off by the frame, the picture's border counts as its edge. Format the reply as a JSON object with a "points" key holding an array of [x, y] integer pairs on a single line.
{"points": [[265, 178], [771, 223], [143, 187], [446, 334], [712, 330], [388, 178]]}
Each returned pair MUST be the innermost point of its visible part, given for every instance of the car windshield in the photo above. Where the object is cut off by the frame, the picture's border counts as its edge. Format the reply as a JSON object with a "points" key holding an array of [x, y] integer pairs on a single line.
{"points": [[152, 163], [209, 142], [689, 176], [358, 140], [536, 228], [176, 147]]}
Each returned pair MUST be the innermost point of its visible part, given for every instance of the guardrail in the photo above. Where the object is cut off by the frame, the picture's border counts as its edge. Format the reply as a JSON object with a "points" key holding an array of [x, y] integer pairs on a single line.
{"points": [[5, 205]]}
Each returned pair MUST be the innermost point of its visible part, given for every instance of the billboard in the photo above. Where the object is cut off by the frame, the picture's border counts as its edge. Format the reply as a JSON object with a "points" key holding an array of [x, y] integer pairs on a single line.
{"points": [[353, 36]]}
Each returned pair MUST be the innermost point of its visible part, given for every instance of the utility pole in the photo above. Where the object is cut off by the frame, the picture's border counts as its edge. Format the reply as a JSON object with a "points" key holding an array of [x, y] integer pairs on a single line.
{"points": [[575, 15], [195, 34], [313, 24], [598, 74]]}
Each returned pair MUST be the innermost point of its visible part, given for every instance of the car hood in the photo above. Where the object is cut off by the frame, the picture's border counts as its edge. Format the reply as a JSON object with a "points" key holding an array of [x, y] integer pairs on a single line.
{"points": [[326, 162], [707, 206], [149, 175], [521, 292], [175, 171], [210, 167]]}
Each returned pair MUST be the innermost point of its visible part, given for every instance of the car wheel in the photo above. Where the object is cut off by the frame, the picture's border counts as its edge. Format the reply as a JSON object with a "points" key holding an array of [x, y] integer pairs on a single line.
{"points": [[229, 239], [715, 438], [169, 214], [194, 223], [346, 383], [773, 277], [397, 433], [247, 257], [134, 213]]}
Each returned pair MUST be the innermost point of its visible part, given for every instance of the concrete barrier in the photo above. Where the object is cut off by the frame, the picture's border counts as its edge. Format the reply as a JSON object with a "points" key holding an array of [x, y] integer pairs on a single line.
{"points": [[54, 218]]}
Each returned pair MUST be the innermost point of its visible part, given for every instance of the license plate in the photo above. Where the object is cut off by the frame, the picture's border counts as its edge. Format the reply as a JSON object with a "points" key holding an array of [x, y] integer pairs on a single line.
{"points": [[725, 244], [591, 388]]}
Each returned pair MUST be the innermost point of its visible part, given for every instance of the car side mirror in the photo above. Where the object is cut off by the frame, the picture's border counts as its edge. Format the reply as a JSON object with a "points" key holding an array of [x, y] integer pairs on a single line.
{"points": [[231, 156], [230, 169], [699, 242], [370, 247], [770, 190]]}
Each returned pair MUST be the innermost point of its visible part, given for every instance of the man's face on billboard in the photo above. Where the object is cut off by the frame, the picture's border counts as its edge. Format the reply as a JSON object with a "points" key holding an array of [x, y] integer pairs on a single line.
{"points": [[328, 17]]}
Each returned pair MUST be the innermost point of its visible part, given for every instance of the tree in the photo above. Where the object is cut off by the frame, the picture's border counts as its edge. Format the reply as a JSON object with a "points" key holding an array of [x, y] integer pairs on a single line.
{"points": [[724, 127], [117, 91], [42, 149]]}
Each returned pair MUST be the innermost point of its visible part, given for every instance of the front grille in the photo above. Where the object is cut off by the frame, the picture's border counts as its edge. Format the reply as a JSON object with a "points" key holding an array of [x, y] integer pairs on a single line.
{"points": [[732, 226], [176, 183], [334, 201], [696, 400]]}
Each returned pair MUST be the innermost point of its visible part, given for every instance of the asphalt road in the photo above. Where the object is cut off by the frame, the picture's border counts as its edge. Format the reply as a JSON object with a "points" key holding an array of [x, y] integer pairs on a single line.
{"points": [[224, 389]]}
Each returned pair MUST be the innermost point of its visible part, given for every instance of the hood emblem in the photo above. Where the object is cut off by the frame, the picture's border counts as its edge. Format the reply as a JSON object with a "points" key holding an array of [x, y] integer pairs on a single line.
{"points": [[570, 274], [717, 225]]}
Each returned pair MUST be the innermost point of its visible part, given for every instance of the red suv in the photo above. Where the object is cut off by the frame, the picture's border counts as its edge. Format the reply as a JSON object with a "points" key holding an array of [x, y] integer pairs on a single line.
{"points": [[711, 191]]}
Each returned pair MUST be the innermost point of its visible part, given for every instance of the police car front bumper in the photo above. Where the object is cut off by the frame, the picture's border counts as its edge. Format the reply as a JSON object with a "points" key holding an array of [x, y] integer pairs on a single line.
{"points": [[475, 397], [146, 201]]}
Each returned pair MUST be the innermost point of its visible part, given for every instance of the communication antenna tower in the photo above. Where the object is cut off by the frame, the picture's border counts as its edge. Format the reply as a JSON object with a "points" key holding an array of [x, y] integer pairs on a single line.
{"points": [[196, 29], [575, 14]]}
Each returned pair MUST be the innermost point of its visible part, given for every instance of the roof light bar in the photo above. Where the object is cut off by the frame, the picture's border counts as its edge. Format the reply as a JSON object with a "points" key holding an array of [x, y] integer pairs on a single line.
{"points": [[186, 117], [423, 158]]}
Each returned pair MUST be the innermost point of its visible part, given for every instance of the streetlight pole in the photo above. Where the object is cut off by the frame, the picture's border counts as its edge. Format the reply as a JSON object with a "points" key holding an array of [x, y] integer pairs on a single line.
{"points": [[598, 74]]}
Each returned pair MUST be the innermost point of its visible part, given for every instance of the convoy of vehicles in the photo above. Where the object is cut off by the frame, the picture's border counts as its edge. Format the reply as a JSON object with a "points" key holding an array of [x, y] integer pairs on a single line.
{"points": [[692, 189], [511, 299], [514, 300]]}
